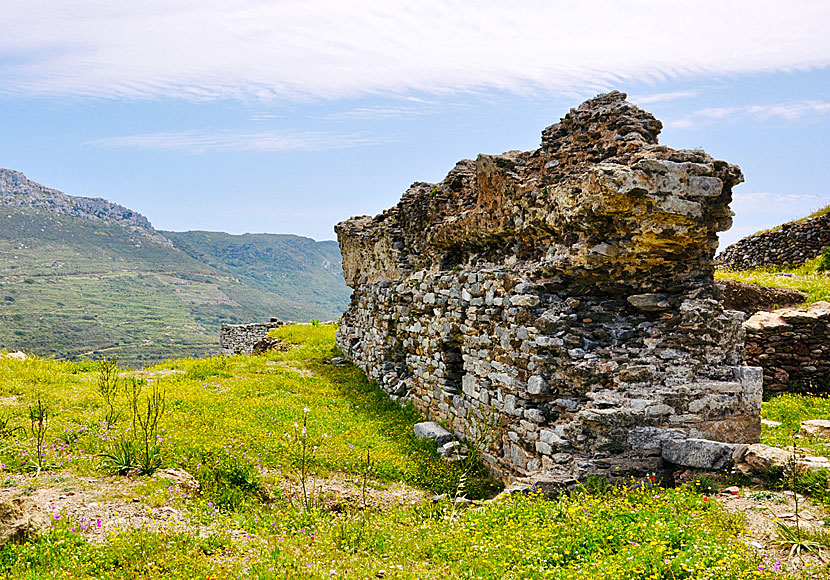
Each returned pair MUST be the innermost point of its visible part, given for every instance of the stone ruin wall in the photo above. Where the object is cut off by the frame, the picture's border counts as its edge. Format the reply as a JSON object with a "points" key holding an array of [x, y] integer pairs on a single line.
{"points": [[565, 294], [241, 338], [792, 345], [794, 243]]}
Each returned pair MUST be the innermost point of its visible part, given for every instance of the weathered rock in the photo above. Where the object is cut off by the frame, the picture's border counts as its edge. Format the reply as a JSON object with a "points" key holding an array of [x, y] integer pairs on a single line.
{"points": [[181, 478], [434, 431], [762, 457], [267, 343], [759, 457], [15, 521], [18, 355], [564, 297], [819, 428], [792, 345], [699, 453], [792, 244]]}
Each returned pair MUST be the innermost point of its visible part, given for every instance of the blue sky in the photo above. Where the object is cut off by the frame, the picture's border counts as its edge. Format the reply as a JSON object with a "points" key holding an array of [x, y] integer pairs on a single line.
{"points": [[286, 117]]}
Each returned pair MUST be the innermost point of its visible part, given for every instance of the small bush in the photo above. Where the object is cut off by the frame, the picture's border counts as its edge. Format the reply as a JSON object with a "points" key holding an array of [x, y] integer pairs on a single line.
{"points": [[228, 481]]}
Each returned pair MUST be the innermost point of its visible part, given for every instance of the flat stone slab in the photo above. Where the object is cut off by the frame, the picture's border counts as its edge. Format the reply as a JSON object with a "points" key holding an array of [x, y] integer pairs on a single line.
{"points": [[819, 428], [699, 453], [432, 430]]}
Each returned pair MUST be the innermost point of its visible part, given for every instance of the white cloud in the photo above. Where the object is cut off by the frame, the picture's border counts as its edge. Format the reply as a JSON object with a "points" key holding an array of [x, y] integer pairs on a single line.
{"points": [[299, 49], [265, 141], [663, 97], [378, 113], [788, 111], [753, 199]]}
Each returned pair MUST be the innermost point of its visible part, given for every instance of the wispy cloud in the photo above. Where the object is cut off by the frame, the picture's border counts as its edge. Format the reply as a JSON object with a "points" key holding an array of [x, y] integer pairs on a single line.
{"points": [[299, 49], [264, 116], [663, 97], [752, 198], [377, 113], [265, 141], [788, 111]]}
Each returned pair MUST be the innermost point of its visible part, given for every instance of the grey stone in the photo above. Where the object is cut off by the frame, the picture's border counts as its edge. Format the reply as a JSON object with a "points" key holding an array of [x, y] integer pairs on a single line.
{"points": [[698, 453], [434, 431]]}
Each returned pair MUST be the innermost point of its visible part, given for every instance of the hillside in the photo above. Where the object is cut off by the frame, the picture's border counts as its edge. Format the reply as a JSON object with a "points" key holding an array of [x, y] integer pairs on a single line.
{"points": [[78, 282]]}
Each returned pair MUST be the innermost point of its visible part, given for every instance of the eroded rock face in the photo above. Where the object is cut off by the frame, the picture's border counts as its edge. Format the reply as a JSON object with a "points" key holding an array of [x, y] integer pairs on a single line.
{"points": [[561, 299]]}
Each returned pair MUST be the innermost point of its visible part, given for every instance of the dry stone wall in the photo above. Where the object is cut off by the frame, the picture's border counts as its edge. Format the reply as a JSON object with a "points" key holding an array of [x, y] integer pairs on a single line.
{"points": [[241, 338], [564, 297], [792, 345], [794, 243]]}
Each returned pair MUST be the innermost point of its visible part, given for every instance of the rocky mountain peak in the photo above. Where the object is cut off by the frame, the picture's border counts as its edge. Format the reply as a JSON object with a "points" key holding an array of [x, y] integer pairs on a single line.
{"points": [[16, 190]]}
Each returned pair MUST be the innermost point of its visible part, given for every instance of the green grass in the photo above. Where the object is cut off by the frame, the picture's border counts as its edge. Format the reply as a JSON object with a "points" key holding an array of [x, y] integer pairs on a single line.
{"points": [[235, 424], [811, 277]]}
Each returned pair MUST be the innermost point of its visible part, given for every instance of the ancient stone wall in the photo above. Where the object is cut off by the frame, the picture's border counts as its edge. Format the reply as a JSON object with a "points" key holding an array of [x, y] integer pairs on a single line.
{"points": [[241, 338], [792, 345], [564, 296], [794, 243]]}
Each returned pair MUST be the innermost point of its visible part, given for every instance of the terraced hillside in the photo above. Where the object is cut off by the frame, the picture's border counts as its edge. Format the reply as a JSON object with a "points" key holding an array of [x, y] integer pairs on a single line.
{"points": [[75, 284]]}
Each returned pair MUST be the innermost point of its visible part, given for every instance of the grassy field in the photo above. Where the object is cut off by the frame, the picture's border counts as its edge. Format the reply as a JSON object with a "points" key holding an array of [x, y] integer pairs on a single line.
{"points": [[307, 470], [812, 277]]}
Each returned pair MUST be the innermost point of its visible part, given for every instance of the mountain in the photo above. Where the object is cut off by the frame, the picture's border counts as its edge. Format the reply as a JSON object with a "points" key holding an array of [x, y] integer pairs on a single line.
{"points": [[85, 277]]}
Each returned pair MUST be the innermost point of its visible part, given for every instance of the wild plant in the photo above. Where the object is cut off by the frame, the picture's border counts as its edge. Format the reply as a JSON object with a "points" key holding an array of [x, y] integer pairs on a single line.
{"points": [[147, 422], [6, 428], [140, 449], [794, 537], [305, 448], [39, 418], [365, 473], [122, 459], [107, 384]]}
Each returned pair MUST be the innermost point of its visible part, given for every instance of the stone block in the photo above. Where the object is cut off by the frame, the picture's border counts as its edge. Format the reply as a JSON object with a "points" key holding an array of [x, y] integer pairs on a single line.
{"points": [[698, 453], [434, 431]]}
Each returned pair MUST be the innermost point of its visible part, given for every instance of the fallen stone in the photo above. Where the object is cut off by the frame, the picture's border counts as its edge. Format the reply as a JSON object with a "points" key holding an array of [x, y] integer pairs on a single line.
{"points": [[818, 428], [698, 453], [769, 423], [15, 521], [762, 457], [181, 478], [267, 343], [434, 431], [19, 355]]}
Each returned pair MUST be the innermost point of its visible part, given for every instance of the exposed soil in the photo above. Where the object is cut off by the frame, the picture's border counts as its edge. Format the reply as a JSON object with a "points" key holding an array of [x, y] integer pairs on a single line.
{"points": [[763, 509], [751, 298]]}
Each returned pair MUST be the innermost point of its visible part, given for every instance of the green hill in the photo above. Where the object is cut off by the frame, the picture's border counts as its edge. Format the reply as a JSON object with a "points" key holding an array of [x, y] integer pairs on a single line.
{"points": [[75, 283]]}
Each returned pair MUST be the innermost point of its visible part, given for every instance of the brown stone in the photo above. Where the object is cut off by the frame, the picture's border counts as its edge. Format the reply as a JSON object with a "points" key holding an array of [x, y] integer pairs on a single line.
{"points": [[819, 428], [15, 520]]}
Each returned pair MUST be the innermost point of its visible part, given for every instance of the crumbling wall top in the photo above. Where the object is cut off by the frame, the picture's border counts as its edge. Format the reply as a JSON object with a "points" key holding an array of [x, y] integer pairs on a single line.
{"points": [[600, 206]]}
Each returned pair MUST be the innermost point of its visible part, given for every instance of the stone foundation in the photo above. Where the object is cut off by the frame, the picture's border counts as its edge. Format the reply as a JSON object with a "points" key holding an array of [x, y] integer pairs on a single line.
{"points": [[560, 301], [241, 338], [792, 345]]}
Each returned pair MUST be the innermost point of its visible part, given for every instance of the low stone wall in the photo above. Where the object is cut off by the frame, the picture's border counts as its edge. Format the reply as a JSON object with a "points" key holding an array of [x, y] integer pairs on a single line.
{"points": [[241, 338], [792, 345], [561, 301], [794, 243]]}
